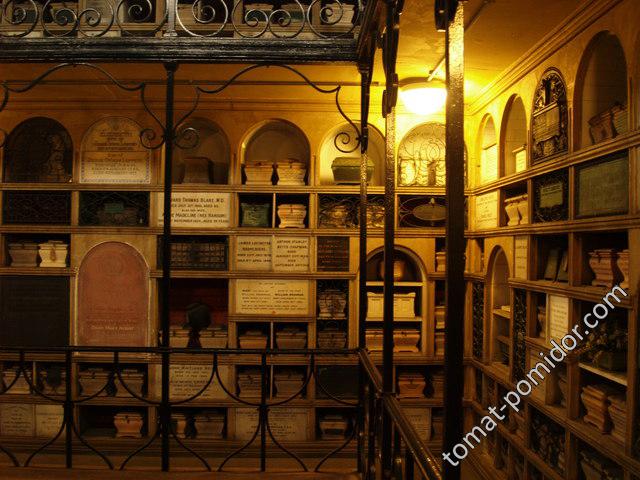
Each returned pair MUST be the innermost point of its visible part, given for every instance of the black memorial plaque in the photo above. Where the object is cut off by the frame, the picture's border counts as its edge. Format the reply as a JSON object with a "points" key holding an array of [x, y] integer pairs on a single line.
{"points": [[333, 254], [117, 209], [35, 311], [47, 208]]}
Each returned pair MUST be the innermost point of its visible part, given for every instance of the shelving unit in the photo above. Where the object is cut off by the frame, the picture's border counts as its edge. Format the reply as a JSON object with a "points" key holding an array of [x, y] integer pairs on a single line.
{"points": [[581, 212]]}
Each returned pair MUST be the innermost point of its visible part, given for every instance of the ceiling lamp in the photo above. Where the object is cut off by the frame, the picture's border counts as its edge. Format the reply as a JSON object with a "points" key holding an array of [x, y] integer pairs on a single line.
{"points": [[422, 97]]}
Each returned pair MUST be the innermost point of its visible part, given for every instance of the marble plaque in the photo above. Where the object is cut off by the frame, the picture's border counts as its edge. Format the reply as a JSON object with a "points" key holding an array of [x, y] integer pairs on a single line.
{"points": [[546, 123], [521, 160], [489, 164], [272, 297], [291, 254], [287, 424], [198, 210], [487, 210], [113, 153], [558, 316], [49, 420], [333, 254], [253, 252], [551, 195], [17, 420], [113, 297], [420, 418], [521, 260], [187, 380], [603, 188]]}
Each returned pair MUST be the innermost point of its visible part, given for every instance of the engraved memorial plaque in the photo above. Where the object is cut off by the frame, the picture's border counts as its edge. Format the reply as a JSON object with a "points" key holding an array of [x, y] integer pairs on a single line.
{"points": [[48, 420], [333, 254], [286, 424], [198, 210], [272, 297], [291, 254], [253, 252], [420, 418], [489, 164], [35, 311], [550, 119], [551, 197], [113, 297], [521, 249], [17, 420], [113, 153], [117, 209], [558, 316], [187, 380], [603, 187], [38, 150], [487, 210]]}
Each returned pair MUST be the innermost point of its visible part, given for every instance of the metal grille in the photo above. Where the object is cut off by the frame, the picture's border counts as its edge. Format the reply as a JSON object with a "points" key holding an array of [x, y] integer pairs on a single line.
{"points": [[50, 208], [199, 253], [519, 333], [478, 319], [121, 209]]}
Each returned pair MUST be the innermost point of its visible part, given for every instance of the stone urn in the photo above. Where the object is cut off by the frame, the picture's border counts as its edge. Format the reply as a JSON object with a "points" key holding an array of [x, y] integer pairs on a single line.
{"points": [[441, 261], [623, 266], [258, 173], [603, 264], [511, 209], [128, 425], [291, 172], [53, 254], [332, 304], [197, 170], [522, 202], [23, 255], [292, 215]]}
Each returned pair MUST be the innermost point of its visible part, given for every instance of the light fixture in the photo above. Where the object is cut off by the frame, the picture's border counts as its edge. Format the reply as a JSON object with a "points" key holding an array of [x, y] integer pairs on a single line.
{"points": [[422, 97]]}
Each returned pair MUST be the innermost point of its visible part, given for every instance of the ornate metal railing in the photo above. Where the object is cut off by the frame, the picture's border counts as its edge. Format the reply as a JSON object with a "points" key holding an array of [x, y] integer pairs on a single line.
{"points": [[239, 19], [370, 409]]}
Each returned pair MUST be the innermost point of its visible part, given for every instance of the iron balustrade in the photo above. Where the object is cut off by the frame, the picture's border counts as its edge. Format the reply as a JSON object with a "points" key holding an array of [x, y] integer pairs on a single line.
{"points": [[411, 457]]}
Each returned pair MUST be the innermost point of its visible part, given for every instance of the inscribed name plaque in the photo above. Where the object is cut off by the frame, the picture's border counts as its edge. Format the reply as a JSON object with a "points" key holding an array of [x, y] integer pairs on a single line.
{"points": [[253, 252], [113, 297], [187, 380], [558, 315], [603, 188], [286, 424], [521, 260], [487, 211], [489, 164], [17, 420], [291, 254], [272, 297], [333, 254], [113, 153], [198, 210], [34, 311], [420, 418], [48, 420]]}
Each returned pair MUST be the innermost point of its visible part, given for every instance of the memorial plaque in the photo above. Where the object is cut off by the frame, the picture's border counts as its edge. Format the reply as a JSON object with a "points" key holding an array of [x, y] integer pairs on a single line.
{"points": [[291, 254], [38, 150], [113, 153], [520, 159], [47, 208], [550, 118], [487, 210], [113, 297], [521, 249], [558, 316], [253, 252], [17, 420], [49, 420], [333, 254], [603, 188], [420, 418], [35, 311], [489, 164], [272, 297], [116, 209], [286, 424], [551, 197], [198, 210], [187, 380]]}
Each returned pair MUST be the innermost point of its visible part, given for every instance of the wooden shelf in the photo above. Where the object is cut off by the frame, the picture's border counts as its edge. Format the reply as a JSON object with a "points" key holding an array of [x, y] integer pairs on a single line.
{"points": [[502, 313], [586, 293], [380, 283], [504, 339], [617, 377], [39, 271]]}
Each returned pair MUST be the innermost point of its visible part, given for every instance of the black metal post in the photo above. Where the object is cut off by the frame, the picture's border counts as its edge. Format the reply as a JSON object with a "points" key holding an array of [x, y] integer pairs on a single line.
{"points": [[165, 408], [68, 411], [455, 287]]}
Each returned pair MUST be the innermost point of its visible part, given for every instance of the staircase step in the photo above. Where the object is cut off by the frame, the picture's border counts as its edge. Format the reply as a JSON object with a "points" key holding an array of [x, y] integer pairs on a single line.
{"points": [[10, 473]]}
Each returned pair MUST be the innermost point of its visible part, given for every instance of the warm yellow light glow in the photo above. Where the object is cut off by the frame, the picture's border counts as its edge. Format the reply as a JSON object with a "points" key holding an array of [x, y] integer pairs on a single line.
{"points": [[423, 98]]}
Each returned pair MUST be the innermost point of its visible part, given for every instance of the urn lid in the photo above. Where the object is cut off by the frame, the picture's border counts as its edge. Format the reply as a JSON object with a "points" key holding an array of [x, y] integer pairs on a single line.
{"points": [[349, 162]]}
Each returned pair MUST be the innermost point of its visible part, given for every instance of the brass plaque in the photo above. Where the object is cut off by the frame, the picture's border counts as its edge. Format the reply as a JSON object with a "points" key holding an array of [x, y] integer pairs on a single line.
{"points": [[603, 187]]}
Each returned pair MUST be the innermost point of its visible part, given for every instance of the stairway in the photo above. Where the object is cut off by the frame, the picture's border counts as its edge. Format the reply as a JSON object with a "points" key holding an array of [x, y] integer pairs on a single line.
{"points": [[9, 473]]}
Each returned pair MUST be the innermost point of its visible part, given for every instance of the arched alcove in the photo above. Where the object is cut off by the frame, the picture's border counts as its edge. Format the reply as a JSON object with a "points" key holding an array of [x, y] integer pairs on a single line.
{"points": [[38, 150], [488, 150], [272, 143], [205, 155], [514, 137], [500, 308], [329, 153], [601, 91]]}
